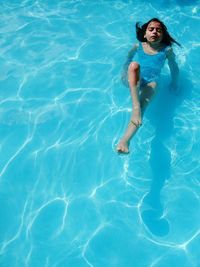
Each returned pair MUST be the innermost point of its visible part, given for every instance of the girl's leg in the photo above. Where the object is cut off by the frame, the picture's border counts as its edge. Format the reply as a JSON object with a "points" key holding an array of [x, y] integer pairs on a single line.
{"points": [[133, 78], [146, 94]]}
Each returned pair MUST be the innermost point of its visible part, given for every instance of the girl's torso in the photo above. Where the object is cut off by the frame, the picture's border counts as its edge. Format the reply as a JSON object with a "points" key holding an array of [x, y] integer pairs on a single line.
{"points": [[151, 61]]}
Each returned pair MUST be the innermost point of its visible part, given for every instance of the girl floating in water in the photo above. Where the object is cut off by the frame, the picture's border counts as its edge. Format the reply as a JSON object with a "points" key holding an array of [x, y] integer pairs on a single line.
{"points": [[153, 48]]}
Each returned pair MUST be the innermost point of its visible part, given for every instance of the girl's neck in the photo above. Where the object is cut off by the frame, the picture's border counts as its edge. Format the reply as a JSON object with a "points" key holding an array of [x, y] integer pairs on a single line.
{"points": [[154, 46]]}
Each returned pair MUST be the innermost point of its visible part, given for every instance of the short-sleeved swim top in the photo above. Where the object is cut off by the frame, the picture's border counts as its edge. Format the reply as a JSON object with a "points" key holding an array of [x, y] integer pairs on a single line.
{"points": [[150, 65]]}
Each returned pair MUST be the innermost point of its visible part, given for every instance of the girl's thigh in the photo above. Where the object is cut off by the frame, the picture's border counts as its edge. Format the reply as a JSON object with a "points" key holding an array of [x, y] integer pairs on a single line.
{"points": [[147, 92]]}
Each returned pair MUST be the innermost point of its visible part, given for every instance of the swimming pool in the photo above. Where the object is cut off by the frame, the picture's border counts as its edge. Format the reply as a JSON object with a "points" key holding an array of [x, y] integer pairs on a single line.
{"points": [[67, 199]]}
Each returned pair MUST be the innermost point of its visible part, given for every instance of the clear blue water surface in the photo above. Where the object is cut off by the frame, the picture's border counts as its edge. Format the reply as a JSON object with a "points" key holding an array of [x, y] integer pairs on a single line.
{"points": [[66, 198]]}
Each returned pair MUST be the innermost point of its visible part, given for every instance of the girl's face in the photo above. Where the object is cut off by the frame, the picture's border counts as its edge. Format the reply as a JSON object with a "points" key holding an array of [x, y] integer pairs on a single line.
{"points": [[154, 32]]}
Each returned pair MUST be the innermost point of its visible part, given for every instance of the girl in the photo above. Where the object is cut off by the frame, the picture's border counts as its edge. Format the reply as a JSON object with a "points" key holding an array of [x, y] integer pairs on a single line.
{"points": [[154, 47]]}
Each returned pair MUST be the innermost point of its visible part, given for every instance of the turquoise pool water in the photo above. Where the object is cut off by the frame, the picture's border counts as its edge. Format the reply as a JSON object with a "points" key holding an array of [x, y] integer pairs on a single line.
{"points": [[66, 198]]}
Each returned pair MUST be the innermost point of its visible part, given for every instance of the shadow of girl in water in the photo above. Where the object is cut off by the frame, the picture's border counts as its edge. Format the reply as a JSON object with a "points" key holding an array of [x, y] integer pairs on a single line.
{"points": [[161, 116]]}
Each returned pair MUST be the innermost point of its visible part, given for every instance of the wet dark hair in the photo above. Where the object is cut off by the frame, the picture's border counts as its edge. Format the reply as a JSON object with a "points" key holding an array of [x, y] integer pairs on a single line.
{"points": [[167, 39]]}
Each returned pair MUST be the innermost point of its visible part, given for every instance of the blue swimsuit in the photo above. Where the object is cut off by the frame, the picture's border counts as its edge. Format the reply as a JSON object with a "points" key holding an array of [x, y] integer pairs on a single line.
{"points": [[150, 65]]}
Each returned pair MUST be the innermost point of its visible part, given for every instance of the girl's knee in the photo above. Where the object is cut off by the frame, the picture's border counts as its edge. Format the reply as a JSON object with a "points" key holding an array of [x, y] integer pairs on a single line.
{"points": [[134, 66]]}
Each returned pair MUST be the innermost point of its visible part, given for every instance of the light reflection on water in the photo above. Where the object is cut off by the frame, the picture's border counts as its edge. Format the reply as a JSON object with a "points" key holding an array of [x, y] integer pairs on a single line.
{"points": [[67, 199]]}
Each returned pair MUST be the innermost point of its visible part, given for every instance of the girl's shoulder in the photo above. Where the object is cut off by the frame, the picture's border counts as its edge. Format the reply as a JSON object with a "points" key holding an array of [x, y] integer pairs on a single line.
{"points": [[168, 49], [135, 46], [170, 53], [165, 48]]}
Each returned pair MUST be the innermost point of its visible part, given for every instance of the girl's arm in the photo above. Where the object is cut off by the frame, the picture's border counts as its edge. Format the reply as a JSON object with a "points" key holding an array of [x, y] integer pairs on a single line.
{"points": [[174, 69], [129, 58]]}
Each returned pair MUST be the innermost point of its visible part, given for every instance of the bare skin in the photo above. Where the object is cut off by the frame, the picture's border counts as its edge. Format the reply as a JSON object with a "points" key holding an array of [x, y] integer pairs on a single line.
{"points": [[145, 97], [141, 98]]}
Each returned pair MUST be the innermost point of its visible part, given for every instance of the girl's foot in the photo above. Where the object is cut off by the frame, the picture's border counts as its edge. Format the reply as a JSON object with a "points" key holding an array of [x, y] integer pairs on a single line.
{"points": [[122, 147]]}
